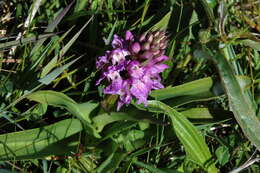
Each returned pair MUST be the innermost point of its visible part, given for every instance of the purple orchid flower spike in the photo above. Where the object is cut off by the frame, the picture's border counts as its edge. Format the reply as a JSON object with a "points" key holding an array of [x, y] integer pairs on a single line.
{"points": [[132, 68]]}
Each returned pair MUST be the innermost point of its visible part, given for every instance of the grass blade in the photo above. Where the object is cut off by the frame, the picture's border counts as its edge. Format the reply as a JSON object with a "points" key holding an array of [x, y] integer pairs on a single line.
{"points": [[52, 26], [53, 62], [55, 73], [23, 40]]}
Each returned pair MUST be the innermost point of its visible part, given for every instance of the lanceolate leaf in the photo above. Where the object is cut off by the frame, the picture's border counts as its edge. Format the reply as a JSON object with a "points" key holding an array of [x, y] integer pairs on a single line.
{"points": [[198, 90], [241, 105], [101, 120], [189, 136], [54, 139], [205, 115], [59, 99], [197, 87]]}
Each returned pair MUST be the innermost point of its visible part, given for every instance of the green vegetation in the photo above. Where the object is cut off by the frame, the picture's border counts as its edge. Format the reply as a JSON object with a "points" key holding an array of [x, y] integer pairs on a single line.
{"points": [[54, 118]]}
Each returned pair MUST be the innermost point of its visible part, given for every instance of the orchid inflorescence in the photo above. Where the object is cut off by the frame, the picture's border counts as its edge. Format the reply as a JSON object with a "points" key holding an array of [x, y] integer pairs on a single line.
{"points": [[132, 68]]}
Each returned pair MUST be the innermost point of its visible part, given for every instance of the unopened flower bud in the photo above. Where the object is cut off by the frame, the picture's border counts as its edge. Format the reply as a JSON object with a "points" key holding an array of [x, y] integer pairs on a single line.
{"points": [[142, 37], [135, 47], [157, 52], [129, 36], [146, 46], [156, 33], [146, 55], [156, 41], [150, 38]]}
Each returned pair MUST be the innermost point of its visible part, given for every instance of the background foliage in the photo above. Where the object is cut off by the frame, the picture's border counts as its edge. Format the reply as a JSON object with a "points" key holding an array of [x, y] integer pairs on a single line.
{"points": [[55, 119]]}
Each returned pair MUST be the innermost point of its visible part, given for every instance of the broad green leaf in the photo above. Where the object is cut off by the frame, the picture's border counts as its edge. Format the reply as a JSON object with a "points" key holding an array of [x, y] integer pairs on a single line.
{"points": [[194, 88], [101, 120], [193, 142], [116, 128], [196, 115], [223, 155], [205, 115], [131, 139], [242, 107], [53, 139], [58, 99], [198, 90]]}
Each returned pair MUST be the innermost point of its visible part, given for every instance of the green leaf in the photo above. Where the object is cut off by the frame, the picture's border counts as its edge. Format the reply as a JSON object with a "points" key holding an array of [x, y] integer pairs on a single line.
{"points": [[163, 23], [116, 128], [253, 44], [111, 163], [190, 137], [131, 139], [54, 139], [223, 155], [101, 120], [198, 90], [194, 88], [57, 99], [206, 115], [208, 10], [241, 105]]}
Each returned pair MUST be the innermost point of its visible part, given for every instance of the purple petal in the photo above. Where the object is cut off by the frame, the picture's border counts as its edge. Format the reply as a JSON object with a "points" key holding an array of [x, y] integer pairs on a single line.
{"points": [[140, 91], [112, 74], [102, 60], [119, 105], [118, 55], [157, 85], [117, 42], [134, 70], [160, 59], [158, 68], [114, 87]]}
